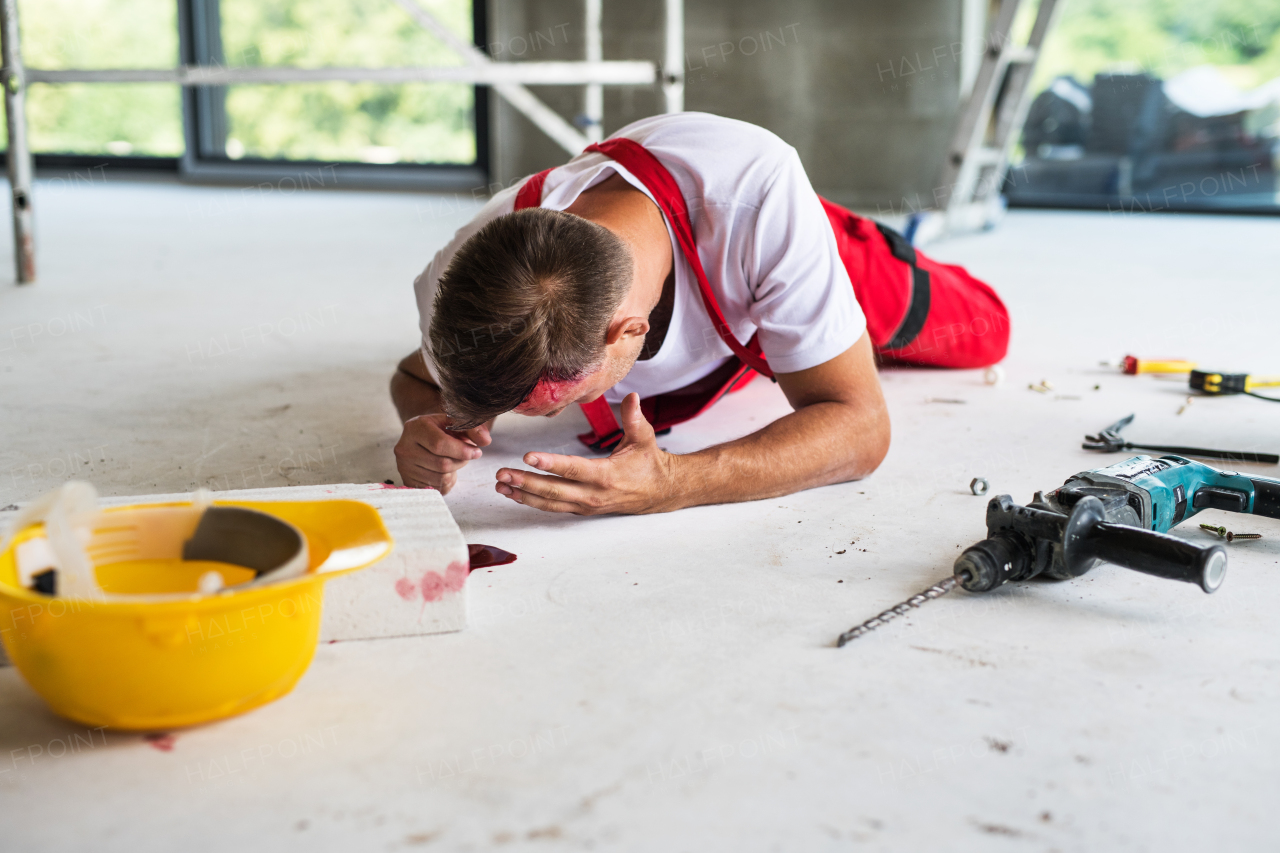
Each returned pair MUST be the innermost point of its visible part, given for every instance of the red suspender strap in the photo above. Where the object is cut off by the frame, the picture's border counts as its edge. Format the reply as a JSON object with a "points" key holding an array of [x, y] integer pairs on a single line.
{"points": [[530, 195], [655, 177], [639, 162], [603, 424]]}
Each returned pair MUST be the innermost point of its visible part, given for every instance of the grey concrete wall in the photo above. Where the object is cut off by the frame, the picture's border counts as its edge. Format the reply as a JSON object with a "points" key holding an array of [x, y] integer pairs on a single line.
{"points": [[866, 90]]}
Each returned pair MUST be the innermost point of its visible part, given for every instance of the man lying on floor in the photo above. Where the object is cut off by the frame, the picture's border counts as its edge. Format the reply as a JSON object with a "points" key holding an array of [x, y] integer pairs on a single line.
{"points": [[660, 270]]}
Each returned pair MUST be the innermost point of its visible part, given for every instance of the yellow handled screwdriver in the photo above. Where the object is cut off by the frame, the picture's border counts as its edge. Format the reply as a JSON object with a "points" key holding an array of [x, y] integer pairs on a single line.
{"points": [[1134, 365]]}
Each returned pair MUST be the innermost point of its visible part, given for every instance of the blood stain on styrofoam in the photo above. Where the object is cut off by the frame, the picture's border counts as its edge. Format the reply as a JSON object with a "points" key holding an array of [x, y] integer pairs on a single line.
{"points": [[432, 586], [406, 588], [455, 577]]}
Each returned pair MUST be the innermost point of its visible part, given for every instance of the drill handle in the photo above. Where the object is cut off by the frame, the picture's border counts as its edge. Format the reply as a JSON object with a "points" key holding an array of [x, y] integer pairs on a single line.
{"points": [[1266, 497], [1154, 553]]}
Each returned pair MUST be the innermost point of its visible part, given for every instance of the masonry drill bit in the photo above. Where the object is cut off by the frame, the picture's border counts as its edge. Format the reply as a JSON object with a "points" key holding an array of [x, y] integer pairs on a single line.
{"points": [[936, 591]]}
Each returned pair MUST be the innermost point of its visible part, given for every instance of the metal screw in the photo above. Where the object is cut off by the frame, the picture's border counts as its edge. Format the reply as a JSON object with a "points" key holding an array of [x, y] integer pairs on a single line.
{"points": [[979, 485], [1231, 537]]}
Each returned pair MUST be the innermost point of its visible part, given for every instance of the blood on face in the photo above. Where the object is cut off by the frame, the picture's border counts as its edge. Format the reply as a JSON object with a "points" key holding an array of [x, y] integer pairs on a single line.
{"points": [[550, 395]]}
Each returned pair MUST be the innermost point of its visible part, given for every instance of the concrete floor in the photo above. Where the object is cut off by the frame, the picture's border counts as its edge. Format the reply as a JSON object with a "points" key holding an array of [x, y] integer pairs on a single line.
{"points": [[666, 682]]}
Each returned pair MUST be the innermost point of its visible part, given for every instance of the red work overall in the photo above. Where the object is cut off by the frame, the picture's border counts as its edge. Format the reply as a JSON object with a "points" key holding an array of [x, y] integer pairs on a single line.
{"points": [[918, 311]]}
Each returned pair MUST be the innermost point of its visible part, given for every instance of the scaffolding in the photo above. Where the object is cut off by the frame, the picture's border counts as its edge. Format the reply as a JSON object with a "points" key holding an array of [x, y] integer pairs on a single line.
{"points": [[991, 117], [509, 79]]}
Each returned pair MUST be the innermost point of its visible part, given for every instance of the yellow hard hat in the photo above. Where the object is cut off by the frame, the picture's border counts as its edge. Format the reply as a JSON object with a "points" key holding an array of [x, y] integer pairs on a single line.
{"points": [[151, 650]]}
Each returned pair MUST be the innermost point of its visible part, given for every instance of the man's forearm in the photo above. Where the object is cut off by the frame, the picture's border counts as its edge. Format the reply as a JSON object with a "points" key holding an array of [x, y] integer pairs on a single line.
{"points": [[817, 445], [413, 396]]}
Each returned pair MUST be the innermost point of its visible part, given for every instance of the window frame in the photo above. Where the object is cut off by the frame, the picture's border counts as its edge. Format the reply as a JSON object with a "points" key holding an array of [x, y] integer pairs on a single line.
{"points": [[204, 120]]}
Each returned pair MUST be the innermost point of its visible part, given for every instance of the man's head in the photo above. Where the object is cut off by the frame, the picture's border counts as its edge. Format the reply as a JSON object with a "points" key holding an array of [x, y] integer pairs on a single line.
{"points": [[526, 316]]}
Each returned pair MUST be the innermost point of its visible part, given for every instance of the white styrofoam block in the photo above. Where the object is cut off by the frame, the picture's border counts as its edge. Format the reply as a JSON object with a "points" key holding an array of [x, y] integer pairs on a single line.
{"points": [[420, 588]]}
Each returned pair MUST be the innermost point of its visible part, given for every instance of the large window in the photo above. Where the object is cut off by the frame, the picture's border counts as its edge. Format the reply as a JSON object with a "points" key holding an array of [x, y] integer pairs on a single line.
{"points": [[1156, 105], [117, 120], [238, 129], [365, 122]]}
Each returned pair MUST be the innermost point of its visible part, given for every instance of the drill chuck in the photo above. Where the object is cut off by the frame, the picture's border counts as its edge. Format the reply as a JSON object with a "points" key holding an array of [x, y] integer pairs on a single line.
{"points": [[988, 564]]}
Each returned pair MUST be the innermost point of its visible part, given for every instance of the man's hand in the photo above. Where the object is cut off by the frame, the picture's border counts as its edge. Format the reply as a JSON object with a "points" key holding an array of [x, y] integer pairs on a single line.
{"points": [[838, 432], [429, 455], [638, 477]]}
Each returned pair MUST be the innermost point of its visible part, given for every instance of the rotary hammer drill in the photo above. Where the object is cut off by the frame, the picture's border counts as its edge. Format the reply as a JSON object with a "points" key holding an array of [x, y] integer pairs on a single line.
{"points": [[1120, 514]]}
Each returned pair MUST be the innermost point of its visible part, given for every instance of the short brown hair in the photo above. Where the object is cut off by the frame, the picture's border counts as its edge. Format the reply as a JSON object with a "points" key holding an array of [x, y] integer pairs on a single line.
{"points": [[529, 296]]}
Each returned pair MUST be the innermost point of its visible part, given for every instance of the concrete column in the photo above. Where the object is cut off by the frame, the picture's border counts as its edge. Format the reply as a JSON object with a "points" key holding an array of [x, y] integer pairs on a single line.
{"points": [[866, 91]]}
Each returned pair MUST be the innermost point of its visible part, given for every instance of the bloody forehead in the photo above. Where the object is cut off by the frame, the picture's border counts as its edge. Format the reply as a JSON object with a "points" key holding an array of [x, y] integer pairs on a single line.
{"points": [[548, 393]]}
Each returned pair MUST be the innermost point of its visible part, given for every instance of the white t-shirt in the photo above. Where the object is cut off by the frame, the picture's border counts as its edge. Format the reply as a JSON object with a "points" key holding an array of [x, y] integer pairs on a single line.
{"points": [[764, 240]]}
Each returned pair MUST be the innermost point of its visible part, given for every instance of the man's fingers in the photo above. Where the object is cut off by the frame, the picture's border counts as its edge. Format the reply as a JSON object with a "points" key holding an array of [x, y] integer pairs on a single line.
{"points": [[428, 456], [421, 479], [480, 436], [412, 451], [551, 488], [442, 444], [440, 464], [536, 502], [635, 429], [569, 467], [419, 473], [433, 438]]}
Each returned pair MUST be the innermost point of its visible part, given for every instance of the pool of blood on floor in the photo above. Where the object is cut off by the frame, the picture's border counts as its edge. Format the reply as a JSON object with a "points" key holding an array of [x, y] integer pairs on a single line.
{"points": [[162, 741], [483, 556]]}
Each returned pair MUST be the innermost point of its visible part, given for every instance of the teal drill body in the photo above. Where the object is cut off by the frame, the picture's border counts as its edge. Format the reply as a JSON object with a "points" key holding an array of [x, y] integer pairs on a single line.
{"points": [[1169, 490]]}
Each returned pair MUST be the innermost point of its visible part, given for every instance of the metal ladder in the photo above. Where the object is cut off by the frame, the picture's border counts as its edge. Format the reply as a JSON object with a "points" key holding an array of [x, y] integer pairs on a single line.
{"points": [[974, 169]]}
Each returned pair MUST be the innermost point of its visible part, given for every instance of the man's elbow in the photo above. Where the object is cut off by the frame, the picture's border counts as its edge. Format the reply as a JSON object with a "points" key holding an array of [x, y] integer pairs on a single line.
{"points": [[871, 436], [402, 383], [876, 446], [397, 385], [400, 393]]}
